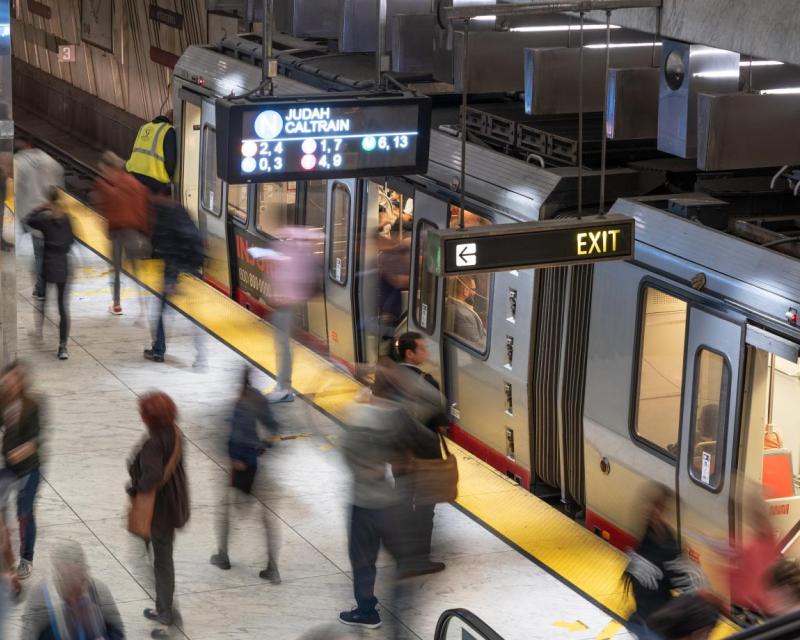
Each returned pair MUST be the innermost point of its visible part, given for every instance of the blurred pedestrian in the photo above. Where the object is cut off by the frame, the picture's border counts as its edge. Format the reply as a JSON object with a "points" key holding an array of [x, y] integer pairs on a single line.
{"points": [[687, 617], [406, 383], [125, 204], [394, 264], [53, 222], [35, 172], [296, 276], [378, 445], [77, 608], [158, 467], [244, 448], [154, 155], [656, 566], [21, 419], [176, 239], [9, 582], [784, 577]]}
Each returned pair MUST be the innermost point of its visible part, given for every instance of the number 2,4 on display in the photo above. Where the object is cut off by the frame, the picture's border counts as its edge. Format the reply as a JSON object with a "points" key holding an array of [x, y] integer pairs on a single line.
{"points": [[264, 149]]}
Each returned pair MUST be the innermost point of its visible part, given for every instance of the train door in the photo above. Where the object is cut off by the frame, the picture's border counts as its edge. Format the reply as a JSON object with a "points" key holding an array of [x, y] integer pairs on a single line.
{"points": [[709, 433], [770, 441], [340, 241], [210, 214], [190, 152], [425, 308]]}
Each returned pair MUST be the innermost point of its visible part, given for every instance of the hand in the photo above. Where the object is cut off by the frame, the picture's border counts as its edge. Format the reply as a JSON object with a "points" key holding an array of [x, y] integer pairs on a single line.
{"points": [[238, 465], [18, 454], [687, 576], [643, 571]]}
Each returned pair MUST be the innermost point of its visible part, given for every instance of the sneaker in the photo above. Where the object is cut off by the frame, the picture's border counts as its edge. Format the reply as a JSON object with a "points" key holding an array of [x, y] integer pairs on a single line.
{"points": [[356, 618], [63, 354], [161, 618], [279, 394], [24, 569], [149, 354], [115, 310], [271, 573], [221, 560], [38, 295]]}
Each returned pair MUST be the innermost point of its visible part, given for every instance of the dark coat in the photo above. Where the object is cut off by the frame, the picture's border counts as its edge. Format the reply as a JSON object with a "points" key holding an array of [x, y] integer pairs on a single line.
{"points": [[176, 238], [244, 443], [58, 239], [27, 429], [147, 472]]}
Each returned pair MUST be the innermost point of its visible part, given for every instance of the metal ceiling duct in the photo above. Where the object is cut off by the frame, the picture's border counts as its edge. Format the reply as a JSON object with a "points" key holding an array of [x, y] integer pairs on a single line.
{"points": [[307, 18], [686, 71], [746, 130], [412, 42], [632, 112], [551, 75], [358, 31]]}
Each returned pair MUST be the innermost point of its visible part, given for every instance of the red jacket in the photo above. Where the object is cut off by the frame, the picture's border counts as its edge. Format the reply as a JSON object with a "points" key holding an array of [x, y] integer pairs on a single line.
{"points": [[123, 201]]}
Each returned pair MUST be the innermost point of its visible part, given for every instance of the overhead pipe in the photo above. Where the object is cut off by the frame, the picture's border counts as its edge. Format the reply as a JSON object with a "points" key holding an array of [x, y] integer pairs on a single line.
{"points": [[548, 6]]}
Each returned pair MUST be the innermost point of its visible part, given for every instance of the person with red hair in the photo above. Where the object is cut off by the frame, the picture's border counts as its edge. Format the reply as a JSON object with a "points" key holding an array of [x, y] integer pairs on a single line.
{"points": [[158, 466]]}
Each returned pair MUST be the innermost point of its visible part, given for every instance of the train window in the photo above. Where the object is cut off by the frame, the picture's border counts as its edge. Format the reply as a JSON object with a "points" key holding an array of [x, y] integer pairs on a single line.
{"points": [[467, 297], [425, 294], [237, 201], [211, 184], [711, 389], [275, 206], [340, 232], [661, 353]]}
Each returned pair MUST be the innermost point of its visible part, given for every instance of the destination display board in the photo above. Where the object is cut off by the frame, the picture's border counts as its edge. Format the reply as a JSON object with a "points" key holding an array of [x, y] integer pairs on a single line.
{"points": [[524, 245], [322, 137]]}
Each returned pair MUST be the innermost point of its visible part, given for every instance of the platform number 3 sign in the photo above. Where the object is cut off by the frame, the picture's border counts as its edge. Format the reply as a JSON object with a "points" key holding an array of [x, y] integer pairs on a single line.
{"points": [[66, 53]]}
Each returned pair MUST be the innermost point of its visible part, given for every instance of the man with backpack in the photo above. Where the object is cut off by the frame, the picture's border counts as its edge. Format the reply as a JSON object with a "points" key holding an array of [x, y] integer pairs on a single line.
{"points": [[176, 240]]}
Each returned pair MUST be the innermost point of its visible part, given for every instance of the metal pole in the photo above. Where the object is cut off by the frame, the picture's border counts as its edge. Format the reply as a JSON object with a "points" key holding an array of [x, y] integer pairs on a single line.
{"points": [[266, 39], [381, 43], [464, 93], [580, 121], [603, 141], [562, 374]]}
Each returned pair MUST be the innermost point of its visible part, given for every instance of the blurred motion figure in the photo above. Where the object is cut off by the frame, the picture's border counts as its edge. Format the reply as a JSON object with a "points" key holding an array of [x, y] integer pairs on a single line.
{"points": [[244, 448], [79, 608], [125, 204]]}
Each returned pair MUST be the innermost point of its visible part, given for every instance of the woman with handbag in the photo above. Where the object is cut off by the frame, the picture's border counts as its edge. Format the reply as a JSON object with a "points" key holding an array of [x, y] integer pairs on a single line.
{"points": [[159, 496]]}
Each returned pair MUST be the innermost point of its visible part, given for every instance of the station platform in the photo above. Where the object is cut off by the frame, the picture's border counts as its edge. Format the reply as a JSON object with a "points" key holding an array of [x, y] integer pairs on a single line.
{"points": [[524, 568]]}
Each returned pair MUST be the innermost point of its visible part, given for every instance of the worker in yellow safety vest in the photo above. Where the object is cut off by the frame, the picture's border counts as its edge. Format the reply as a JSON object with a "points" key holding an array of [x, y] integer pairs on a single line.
{"points": [[154, 155]]}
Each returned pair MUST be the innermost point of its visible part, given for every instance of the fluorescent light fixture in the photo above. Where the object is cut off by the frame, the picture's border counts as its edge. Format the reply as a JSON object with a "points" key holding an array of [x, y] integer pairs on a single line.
{"points": [[717, 74], [761, 63], [622, 45], [484, 18], [546, 28], [781, 91]]}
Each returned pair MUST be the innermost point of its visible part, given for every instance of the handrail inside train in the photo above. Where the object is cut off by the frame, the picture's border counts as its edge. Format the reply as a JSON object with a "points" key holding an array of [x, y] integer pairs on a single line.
{"points": [[462, 624]]}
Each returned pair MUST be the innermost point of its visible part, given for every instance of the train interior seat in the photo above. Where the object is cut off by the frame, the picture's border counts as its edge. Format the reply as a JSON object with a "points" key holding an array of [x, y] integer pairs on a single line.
{"points": [[777, 475]]}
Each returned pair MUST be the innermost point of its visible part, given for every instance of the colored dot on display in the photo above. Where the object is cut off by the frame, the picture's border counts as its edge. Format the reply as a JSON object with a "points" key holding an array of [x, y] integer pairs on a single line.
{"points": [[309, 145], [249, 165], [249, 149], [308, 162], [368, 143]]}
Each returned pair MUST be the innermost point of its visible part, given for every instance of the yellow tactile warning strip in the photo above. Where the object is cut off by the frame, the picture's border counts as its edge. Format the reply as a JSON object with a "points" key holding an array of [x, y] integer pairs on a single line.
{"points": [[553, 540]]}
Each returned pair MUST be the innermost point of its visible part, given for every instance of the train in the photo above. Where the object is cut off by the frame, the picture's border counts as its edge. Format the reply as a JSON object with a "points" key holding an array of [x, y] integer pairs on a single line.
{"points": [[583, 384]]}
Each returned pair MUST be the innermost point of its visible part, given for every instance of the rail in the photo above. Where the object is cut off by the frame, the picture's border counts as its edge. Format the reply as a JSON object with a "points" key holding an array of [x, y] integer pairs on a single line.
{"points": [[784, 628], [461, 624]]}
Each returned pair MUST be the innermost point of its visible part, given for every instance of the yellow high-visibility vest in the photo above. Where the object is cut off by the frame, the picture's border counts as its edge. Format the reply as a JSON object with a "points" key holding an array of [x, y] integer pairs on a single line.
{"points": [[147, 157]]}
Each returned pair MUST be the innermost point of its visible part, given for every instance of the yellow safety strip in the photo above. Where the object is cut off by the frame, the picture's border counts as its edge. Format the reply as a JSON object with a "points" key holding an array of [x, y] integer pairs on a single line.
{"points": [[555, 541]]}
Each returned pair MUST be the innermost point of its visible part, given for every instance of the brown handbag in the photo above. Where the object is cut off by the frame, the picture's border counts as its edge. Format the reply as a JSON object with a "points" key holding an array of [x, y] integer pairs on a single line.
{"points": [[436, 480], [140, 513]]}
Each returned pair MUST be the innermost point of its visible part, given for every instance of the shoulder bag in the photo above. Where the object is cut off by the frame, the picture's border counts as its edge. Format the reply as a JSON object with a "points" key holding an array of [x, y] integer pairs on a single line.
{"points": [[436, 480], [140, 514]]}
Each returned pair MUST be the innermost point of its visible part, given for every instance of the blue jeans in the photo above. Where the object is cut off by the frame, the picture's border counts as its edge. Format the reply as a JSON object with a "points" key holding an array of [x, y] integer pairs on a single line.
{"points": [[38, 263], [26, 496], [160, 338]]}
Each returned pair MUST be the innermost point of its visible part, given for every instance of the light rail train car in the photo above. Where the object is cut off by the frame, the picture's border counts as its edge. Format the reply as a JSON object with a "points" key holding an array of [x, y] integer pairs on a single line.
{"points": [[481, 327], [693, 379]]}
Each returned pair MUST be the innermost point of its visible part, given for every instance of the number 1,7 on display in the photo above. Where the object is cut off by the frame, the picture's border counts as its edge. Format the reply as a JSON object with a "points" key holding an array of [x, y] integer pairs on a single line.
{"points": [[336, 143]]}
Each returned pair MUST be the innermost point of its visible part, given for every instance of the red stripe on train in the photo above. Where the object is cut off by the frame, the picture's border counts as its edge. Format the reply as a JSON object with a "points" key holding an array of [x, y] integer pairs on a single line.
{"points": [[610, 532], [498, 460]]}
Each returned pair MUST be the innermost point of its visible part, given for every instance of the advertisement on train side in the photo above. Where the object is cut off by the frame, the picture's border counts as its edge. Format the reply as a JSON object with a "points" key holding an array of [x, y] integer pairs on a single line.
{"points": [[319, 138]]}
